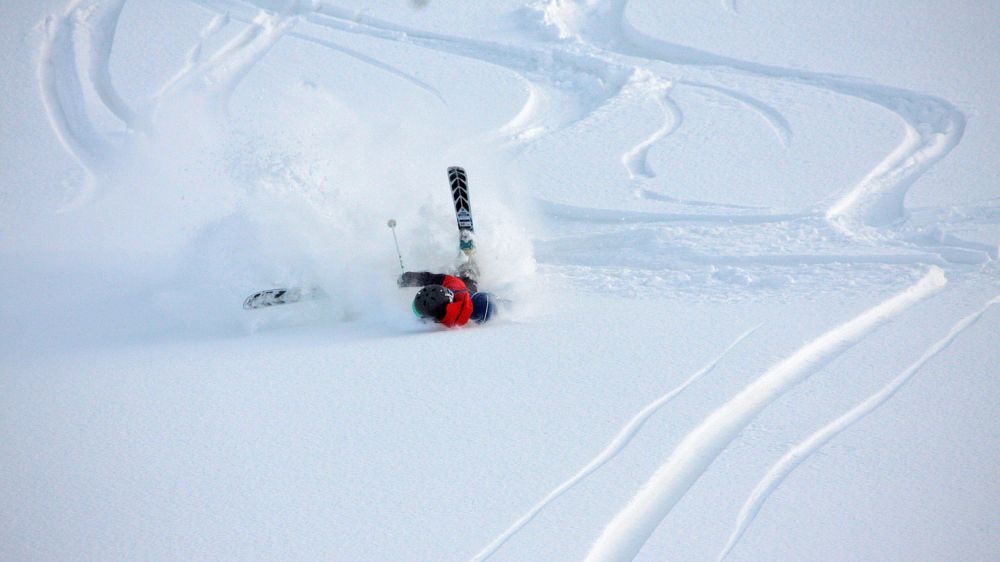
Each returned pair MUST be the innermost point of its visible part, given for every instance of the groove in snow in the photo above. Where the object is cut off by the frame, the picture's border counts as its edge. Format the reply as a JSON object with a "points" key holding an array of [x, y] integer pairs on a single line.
{"points": [[629, 530], [617, 444], [795, 456]]}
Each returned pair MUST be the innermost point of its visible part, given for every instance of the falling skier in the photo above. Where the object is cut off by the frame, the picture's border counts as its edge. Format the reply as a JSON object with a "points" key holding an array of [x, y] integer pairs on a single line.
{"points": [[453, 300], [450, 300]]}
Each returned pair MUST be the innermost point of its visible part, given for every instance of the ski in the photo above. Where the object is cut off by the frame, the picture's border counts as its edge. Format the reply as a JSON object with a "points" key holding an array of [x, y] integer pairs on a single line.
{"points": [[463, 209], [272, 297]]}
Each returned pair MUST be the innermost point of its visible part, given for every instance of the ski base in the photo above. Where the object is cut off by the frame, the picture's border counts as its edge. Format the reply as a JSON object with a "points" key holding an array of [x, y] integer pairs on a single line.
{"points": [[459, 183], [273, 297]]}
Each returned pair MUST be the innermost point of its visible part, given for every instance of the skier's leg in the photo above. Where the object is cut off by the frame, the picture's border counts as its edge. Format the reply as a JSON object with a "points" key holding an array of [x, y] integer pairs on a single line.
{"points": [[468, 272], [470, 283], [484, 307]]}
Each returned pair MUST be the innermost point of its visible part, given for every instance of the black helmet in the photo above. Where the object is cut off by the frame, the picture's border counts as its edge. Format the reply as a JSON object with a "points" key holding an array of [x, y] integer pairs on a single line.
{"points": [[431, 300]]}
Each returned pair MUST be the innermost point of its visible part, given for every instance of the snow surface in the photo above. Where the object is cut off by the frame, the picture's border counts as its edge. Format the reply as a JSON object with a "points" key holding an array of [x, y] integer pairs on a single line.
{"points": [[753, 250]]}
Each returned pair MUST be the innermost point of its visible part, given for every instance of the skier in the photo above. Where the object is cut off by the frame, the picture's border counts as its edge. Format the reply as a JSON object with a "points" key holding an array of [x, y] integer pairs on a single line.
{"points": [[450, 300], [453, 300]]}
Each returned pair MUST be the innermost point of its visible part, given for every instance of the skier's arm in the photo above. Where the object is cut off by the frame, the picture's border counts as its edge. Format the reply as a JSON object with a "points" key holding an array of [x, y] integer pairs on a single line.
{"points": [[420, 279]]}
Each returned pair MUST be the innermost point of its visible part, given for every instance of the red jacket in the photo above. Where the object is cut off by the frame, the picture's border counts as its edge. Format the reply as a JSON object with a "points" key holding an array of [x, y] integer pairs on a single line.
{"points": [[458, 312]]}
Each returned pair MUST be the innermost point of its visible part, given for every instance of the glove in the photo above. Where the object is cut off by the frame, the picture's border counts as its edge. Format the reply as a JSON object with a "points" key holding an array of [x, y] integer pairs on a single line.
{"points": [[409, 279]]}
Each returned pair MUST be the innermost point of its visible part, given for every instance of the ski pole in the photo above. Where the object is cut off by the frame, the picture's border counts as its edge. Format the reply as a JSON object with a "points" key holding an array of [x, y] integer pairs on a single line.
{"points": [[392, 225]]}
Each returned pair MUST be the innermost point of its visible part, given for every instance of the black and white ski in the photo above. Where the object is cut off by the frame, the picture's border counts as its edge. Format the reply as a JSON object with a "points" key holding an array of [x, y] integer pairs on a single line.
{"points": [[272, 297], [463, 210]]}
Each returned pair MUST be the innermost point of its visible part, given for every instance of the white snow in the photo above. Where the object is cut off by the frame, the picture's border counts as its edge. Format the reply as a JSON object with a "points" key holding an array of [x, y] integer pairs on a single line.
{"points": [[753, 251]]}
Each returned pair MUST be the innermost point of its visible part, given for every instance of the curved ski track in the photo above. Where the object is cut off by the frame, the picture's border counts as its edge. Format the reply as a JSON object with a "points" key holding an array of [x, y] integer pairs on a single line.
{"points": [[636, 159], [62, 90], [800, 452], [625, 535], [604, 54], [76, 51], [617, 444]]}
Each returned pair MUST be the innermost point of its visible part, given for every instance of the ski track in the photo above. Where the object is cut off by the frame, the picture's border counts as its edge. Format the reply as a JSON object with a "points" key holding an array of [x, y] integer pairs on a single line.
{"points": [[933, 126], [799, 453], [629, 530], [546, 69], [940, 250], [614, 216], [537, 67], [229, 13], [620, 441], [654, 196], [527, 124], [195, 58], [101, 24], [224, 70], [75, 54], [374, 62], [62, 93], [678, 258], [636, 160], [778, 123]]}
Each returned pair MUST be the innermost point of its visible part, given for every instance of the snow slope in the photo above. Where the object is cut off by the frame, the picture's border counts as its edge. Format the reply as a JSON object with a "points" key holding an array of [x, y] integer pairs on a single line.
{"points": [[753, 250]]}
